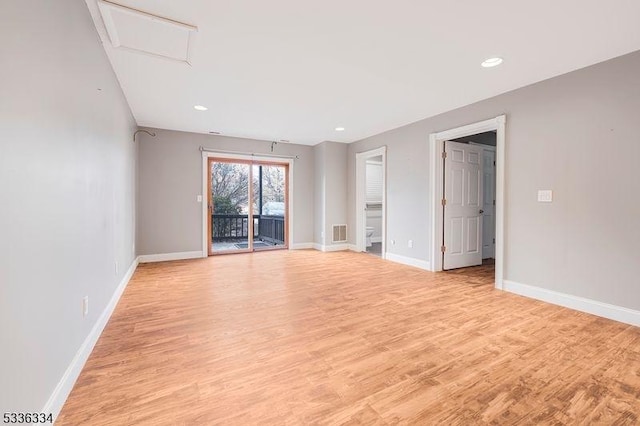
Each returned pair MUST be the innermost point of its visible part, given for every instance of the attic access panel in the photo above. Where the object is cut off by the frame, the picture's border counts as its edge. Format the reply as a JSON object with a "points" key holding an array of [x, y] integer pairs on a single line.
{"points": [[146, 33]]}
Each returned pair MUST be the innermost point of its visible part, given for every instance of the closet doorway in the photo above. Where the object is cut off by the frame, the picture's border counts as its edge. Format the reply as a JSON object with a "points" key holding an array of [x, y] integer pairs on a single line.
{"points": [[449, 241], [247, 205]]}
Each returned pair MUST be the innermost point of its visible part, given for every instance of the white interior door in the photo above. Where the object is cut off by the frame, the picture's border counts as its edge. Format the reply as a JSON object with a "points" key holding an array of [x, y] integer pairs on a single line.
{"points": [[463, 172], [489, 204]]}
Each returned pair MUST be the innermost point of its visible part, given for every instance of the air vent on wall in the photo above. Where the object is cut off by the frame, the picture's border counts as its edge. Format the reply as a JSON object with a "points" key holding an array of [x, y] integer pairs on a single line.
{"points": [[339, 234], [145, 33]]}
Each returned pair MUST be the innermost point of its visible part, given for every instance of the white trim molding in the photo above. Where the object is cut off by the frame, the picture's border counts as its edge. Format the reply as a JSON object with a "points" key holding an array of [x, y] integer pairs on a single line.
{"points": [[65, 385], [301, 246], [436, 144], [605, 310], [331, 247], [409, 261], [166, 257]]}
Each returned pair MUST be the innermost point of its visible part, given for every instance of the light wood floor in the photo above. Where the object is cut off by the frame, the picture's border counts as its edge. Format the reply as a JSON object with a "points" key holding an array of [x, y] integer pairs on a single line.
{"points": [[303, 337]]}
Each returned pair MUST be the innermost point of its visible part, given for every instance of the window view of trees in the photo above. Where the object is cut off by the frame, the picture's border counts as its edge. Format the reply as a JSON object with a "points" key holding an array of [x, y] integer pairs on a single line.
{"points": [[230, 183], [273, 191], [273, 183], [230, 187]]}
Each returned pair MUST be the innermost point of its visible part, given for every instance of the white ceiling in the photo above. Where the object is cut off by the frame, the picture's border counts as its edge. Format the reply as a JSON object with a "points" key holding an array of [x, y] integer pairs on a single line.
{"points": [[295, 70]]}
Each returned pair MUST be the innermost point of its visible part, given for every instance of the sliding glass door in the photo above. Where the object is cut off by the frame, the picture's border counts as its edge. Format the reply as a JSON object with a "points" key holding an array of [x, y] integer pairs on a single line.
{"points": [[269, 206], [229, 203], [247, 206]]}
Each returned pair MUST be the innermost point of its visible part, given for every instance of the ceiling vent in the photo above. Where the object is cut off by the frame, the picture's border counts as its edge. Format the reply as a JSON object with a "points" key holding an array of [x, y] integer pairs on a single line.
{"points": [[145, 33]]}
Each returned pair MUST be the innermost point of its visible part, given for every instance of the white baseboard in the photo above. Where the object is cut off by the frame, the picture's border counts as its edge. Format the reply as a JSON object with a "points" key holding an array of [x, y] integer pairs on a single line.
{"points": [[353, 247], [410, 261], [332, 247], [376, 239], [165, 257], [65, 385], [616, 313], [301, 246]]}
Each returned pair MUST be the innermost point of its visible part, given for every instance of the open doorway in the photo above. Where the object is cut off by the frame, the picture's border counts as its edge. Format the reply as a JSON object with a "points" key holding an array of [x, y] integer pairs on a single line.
{"points": [[469, 201], [371, 202], [468, 198], [373, 206]]}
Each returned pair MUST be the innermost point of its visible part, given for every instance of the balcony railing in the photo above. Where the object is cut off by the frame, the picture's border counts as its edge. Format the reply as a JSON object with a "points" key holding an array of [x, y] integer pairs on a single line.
{"points": [[236, 227], [270, 229]]}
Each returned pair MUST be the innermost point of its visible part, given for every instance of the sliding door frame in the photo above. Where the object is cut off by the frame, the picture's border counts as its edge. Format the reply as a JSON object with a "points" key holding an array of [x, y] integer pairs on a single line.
{"points": [[287, 167], [251, 160], [211, 206]]}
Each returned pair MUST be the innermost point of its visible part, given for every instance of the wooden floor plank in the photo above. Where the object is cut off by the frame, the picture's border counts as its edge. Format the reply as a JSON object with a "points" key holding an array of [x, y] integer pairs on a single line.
{"points": [[303, 337]]}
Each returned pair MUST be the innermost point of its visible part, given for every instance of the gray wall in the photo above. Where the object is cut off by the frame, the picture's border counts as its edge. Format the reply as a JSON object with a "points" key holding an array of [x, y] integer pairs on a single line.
{"points": [[67, 185], [576, 134], [320, 194], [170, 179], [335, 171], [331, 191]]}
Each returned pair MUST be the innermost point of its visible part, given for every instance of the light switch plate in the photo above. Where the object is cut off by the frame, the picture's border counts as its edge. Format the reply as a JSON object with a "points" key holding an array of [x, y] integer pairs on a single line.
{"points": [[545, 196], [199, 198]]}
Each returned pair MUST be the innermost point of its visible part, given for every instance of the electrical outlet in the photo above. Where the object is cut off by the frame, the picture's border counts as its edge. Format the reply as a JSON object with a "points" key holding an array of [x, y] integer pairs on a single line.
{"points": [[199, 198], [410, 244], [85, 306], [393, 242], [116, 266]]}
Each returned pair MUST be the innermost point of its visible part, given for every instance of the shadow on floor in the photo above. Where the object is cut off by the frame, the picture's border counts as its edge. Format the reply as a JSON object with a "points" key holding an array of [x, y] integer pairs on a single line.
{"points": [[477, 275]]}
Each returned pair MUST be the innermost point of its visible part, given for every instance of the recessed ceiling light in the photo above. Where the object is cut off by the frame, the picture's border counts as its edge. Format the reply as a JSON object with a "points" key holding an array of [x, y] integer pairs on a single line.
{"points": [[491, 62], [339, 129], [200, 108]]}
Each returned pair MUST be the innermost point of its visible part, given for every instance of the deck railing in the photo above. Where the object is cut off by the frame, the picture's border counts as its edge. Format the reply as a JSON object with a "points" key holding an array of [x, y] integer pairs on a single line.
{"points": [[232, 227], [271, 229]]}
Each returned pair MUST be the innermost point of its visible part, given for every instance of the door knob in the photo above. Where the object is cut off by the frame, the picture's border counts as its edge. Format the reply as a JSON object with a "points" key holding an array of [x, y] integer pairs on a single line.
{"points": [[481, 211]]}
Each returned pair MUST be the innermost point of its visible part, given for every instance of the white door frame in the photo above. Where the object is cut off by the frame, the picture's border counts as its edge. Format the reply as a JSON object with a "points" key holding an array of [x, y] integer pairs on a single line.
{"points": [[436, 140], [361, 190], [245, 157]]}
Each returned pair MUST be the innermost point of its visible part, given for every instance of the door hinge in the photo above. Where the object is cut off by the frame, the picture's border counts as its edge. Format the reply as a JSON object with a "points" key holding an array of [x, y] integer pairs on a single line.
{"points": [[443, 249], [494, 163], [494, 241], [494, 202], [444, 202], [444, 154]]}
